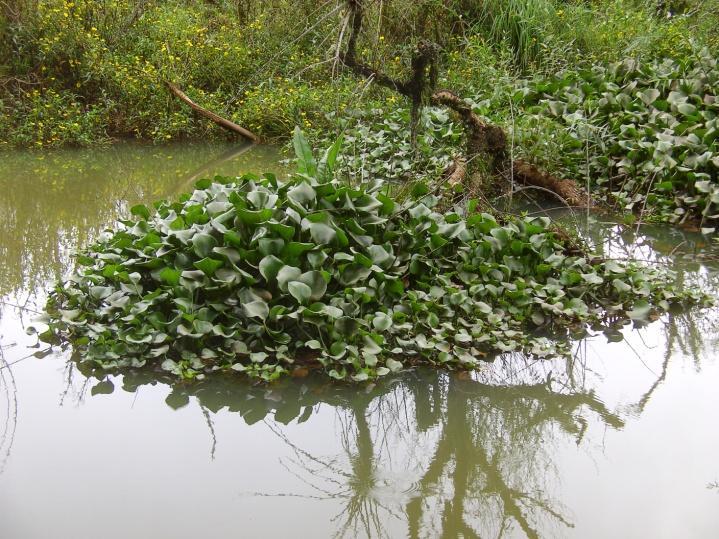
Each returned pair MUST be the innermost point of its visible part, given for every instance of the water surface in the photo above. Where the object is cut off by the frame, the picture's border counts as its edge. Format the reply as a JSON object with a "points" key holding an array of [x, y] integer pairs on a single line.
{"points": [[620, 440]]}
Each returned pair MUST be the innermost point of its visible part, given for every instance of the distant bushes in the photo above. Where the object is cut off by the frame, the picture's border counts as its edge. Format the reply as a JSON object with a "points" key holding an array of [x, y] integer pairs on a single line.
{"points": [[269, 65]]}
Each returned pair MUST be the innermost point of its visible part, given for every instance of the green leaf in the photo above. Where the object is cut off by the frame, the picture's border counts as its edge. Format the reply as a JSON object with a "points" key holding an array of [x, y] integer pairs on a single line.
{"points": [[287, 232], [346, 325], [100, 292], [250, 217], [287, 274], [380, 256], [170, 276], [322, 234], [352, 273], [393, 365], [208, 266], [302, 194], [326, 167], [294, 249], [317, 283], [306, 163], [300, 291], [269, 267], [256, 309], [141, 211], [203, 244], [640, 311], [382, 322], [649, 95]]}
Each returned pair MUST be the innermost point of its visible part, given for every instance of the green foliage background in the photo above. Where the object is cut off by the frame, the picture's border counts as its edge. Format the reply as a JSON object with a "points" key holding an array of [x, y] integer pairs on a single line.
{"points": [[82, 72]]}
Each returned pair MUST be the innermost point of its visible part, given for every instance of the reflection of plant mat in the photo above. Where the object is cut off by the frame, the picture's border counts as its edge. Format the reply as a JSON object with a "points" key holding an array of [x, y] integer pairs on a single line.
{"points": [[253, 275]]}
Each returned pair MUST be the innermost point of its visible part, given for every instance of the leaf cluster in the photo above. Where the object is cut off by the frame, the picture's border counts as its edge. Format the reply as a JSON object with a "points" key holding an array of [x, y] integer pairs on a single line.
{"points": [[260, 276], [646, 133]]}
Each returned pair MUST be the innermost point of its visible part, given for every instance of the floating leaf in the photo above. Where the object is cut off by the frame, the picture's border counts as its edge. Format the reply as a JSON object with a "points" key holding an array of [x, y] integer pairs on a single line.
{"points": [[300, 291], [208, 266]]}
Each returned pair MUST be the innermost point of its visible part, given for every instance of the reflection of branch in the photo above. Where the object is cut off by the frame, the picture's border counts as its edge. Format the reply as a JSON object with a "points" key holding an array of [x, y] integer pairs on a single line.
{"points": [[644, 400], [361, 509], [7, 437], [229, 155], [470, 456], [208, 419]]}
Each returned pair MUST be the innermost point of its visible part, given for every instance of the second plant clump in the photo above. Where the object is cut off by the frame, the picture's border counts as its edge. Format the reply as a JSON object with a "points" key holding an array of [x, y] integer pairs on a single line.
{"points": [[260, 276]]}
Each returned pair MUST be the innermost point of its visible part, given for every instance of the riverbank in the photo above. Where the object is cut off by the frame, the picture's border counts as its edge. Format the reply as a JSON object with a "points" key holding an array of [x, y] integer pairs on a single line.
{"points": [[82, 73]]}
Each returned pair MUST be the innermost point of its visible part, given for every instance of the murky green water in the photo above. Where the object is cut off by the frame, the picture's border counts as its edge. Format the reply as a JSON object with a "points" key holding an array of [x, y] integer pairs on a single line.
{"points": [[620, 441]]}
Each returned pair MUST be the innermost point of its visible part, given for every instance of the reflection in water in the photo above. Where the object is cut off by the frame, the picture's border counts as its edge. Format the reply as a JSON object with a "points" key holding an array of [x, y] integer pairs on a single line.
{"points": [[450, 455], [8, 418], [444, 455], [424, 454], [53, 202]]}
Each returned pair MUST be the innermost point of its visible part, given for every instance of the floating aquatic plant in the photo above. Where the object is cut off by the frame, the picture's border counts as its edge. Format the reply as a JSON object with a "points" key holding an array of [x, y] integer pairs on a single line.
{"points": [[261, 276], [646, 132]]}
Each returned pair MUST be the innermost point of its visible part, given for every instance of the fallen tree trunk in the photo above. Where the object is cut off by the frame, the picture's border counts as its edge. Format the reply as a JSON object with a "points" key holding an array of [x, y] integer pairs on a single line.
{"points": [[222, 122], [567, 190], [483, 139], [490, 142]]}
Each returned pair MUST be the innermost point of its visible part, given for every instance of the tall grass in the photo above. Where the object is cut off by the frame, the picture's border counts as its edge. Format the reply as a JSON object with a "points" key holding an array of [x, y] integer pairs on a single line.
{"points": [[520, 24]]}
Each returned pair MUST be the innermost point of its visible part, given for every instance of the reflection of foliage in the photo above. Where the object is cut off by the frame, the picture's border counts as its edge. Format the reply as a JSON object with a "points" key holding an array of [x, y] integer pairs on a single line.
{"points": [[444, 453], [54, 202], [692, 260]]}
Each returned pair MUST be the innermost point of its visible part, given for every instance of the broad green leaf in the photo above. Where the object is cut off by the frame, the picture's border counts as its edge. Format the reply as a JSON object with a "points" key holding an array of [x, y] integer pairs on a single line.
{"points": [[322, 234], [141, 211], [256, 309], [306, 163], [302, 194], [300, 291], [170, 276], [269, 267], [287, 274], [317, 283], [203, 244], [208, 266]]}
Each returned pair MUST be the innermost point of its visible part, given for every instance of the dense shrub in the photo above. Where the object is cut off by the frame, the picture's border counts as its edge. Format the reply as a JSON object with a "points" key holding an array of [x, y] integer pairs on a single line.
{"points": [[264, 64]]}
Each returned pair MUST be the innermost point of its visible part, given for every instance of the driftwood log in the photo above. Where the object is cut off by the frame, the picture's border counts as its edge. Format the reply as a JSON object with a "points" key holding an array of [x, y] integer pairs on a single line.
{"points": [[222, 122]]}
